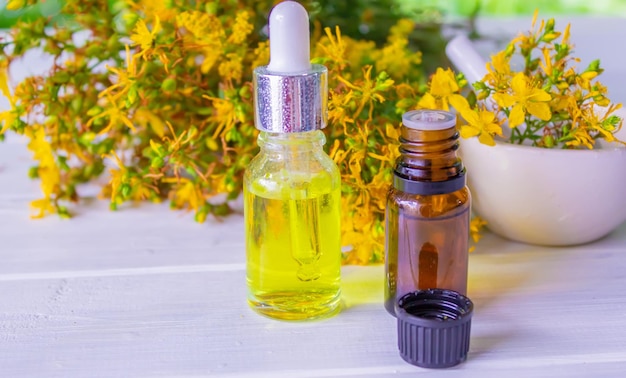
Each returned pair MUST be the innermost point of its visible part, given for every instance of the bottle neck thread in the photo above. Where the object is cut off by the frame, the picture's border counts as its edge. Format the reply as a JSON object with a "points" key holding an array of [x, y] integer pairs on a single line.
{"points": [[428, 163], [291, 142]]}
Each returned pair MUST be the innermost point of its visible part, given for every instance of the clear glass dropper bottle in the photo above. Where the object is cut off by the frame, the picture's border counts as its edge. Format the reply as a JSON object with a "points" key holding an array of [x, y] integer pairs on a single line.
{"points": [[292, 187], [428, 210]]}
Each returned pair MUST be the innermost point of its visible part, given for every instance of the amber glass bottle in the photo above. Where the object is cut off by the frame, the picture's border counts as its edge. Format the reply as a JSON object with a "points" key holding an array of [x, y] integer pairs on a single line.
{"points": [[428, 210]]}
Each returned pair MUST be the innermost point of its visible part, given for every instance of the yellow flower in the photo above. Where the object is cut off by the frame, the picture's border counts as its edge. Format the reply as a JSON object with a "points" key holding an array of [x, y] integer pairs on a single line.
{"points": [[204, 33], [598, 94], [566, 34], [443, 83], [4, 82], [392, 132], [546, 64], [261, 54], [339, 107], [145, 117], [359, 52], [225, 115], [500, 63], [47, 169], [593, 121], [333, 47], [368, 91], [186, 195], [241, 28], [355, 163], [125, 78], [476, 225], [116, 117], [480, 122], [161, 9], [524, 98], [527, 42], [581, 137], [118, 176], [231, 69], [378, 189], [443, 86], [402, 29], [141, 190], [498, 69], [395, 57], [211, 55], [43, 206], [7, 117], [202, 26], [142, 36]]}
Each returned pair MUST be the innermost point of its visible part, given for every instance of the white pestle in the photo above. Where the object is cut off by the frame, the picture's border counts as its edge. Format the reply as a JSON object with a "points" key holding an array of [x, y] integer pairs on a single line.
{"points": [[462, 53]]}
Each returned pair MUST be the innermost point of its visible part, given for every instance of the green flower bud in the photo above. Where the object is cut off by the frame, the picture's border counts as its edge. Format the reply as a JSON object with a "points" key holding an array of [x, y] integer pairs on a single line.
{"points": [[60, 77], [33, 172], [548, 141], [245, 92], [221, 209], [200, 216], [52, 48], [63, 212], [211, 8], [594, 66], [113, 43], [125, 190], [168, 85], [51, 120], [77, 104], [94, 111], [93, 50], [132, 95]]}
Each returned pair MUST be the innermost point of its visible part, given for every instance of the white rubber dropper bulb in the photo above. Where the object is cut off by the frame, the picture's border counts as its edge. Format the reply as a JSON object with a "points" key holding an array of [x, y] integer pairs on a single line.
{"points": [[289, 39]]}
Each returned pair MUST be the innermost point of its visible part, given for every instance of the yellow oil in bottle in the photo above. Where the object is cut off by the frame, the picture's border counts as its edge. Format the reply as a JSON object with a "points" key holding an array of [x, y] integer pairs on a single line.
{"points": [[293, 246]]}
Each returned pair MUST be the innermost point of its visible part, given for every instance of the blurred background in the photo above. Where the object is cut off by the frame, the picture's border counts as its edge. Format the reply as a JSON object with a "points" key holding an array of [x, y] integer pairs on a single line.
{"points": [[415, 8]]}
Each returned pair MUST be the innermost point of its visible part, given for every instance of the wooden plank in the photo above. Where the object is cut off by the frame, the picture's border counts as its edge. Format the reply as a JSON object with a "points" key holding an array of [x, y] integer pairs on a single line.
{"points": [[198, 323]]}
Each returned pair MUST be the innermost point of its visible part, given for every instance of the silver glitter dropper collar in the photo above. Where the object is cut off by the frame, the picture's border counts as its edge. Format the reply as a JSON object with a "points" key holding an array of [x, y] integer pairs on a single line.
{"points": [[288, 103]]}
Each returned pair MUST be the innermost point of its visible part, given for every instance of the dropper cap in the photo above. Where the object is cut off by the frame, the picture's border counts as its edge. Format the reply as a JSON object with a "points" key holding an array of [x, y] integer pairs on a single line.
{"points": [[290, 93]]}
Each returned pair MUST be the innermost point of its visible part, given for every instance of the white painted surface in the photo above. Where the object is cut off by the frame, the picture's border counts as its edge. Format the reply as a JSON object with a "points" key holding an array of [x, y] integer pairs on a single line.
{"points": [[147, 292]]}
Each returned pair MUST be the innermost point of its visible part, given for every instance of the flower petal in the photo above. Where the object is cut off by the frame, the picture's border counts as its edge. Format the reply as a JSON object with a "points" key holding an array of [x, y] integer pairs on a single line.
{"points": [[427, 102], [493, 128], [486, 116], [443, 83], [504, 100], [519, 84], [516, 117], [486, 138], [539, 95], [459, 102], [540, 110], [468, 131]]}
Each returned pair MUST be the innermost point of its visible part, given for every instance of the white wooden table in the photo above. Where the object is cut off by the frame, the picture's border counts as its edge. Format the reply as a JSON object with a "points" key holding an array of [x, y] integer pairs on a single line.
{"points": [[148, 292]]}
